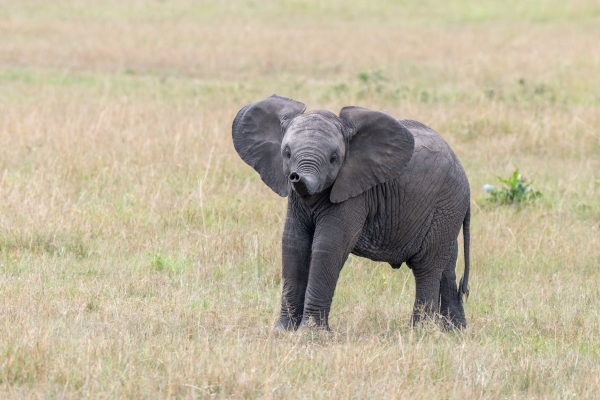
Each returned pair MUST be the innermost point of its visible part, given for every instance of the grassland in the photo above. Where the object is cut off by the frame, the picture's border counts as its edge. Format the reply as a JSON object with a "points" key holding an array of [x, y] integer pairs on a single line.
{"points": [[140, 258]]}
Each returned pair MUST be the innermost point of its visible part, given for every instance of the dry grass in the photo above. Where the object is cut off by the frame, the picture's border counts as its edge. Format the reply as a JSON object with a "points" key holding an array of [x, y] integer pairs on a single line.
{"points": [[139, 257]]}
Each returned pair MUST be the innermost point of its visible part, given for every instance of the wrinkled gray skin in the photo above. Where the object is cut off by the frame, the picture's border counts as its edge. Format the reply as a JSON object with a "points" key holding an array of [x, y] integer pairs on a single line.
{"points": [[361, 183]]}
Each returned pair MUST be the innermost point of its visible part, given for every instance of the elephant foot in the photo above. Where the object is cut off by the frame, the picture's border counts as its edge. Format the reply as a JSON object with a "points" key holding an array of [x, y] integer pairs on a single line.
{"points": [[451, 321], [286, 324], [445, 322], [314, 323], [424, 312]]}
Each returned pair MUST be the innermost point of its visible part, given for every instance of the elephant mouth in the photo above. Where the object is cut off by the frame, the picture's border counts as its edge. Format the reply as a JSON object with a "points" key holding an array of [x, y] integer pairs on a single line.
{"points": [[302, 185], [301, 188]]}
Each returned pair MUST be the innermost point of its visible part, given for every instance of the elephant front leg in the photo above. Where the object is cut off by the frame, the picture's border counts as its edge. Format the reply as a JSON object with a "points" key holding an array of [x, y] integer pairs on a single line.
{"points": [[296, 254], [324, 273], [331, 248]]}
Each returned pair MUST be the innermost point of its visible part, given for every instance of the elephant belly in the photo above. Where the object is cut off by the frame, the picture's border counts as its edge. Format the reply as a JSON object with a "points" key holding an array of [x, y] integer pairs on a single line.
{"points": [[394, 231], [393, 249]]}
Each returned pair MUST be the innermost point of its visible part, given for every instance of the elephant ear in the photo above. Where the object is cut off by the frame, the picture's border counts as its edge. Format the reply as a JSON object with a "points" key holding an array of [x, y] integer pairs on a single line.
{"points": [[257, 134], [379, 149]]}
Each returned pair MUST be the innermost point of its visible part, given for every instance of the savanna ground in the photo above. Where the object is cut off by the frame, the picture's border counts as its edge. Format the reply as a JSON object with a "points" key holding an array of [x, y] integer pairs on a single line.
{"points": [[140, 257]]}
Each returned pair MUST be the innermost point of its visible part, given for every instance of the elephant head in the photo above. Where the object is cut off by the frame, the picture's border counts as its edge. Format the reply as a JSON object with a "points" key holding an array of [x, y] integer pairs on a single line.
{"points": [[311, 152]]}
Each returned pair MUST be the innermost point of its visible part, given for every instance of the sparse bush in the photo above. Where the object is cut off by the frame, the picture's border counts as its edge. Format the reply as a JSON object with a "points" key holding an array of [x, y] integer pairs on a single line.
{"points": [[517, 191]]}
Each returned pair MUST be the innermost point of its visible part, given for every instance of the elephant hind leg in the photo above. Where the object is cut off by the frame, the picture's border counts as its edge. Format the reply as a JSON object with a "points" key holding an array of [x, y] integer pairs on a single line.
{"points": [[436, 291], [451, 307], [427, 296]]}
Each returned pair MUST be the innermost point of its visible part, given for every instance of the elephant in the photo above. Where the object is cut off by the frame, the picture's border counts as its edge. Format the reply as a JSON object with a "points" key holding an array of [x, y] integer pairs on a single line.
{"points": [[360, 182]]}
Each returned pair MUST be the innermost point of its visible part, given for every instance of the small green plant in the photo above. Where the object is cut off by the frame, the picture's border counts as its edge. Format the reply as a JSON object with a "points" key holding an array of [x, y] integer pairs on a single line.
{"points": [[517, 191], [158, 262], [373, 82], [168, 263]]}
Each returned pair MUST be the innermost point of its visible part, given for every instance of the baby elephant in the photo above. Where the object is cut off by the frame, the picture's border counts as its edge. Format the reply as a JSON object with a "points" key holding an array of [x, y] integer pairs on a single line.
{"points": [[361, 183]]}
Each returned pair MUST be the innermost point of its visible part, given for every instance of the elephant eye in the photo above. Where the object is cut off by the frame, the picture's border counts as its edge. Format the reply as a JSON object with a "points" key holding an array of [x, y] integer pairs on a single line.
{"points": [[287, 152], [333, 158]]}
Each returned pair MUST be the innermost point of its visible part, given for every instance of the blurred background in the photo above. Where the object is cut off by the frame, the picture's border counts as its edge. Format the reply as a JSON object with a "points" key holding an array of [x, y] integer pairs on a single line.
{"points": [[140, 257]]}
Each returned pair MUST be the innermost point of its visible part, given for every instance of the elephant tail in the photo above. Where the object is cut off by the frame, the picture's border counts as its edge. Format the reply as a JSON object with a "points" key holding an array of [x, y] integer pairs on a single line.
{"points": [[463, 287]]}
